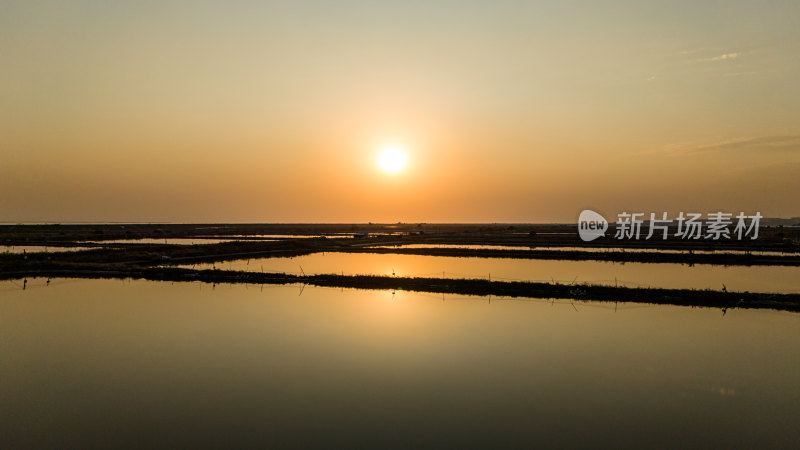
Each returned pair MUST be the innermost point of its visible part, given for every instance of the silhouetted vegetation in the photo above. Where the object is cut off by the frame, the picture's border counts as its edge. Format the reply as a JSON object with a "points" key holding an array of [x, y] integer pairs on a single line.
{"points": [[152, 261]]}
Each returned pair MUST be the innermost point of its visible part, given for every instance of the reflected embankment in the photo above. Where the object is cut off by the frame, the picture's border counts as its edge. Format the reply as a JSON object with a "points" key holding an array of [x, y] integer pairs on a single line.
{"points": [[166, 241], [21, 249]]}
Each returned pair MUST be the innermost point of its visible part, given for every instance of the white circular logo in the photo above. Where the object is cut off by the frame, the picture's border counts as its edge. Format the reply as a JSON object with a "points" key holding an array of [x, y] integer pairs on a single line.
{"points": [[591, 225]]}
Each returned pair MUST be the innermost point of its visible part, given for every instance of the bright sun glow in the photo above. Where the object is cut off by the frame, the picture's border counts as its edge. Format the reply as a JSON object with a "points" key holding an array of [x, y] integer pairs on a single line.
{"points": [[392, 159]]}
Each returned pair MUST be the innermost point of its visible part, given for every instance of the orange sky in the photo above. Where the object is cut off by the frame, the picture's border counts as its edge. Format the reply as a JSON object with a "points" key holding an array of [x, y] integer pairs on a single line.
{"points": [[510, 111]]}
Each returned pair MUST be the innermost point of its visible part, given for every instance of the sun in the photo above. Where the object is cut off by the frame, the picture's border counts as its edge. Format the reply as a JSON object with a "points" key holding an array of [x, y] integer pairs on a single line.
{"points": [[392, 159]]}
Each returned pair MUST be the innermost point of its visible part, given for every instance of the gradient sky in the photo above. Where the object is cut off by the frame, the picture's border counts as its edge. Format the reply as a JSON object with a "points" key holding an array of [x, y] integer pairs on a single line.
{"points": [[511, 111]]}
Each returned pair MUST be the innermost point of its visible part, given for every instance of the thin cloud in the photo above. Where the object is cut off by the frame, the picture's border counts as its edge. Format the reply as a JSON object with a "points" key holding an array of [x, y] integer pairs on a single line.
{"points": [[725, 56], [713, 57], [786, 143]]}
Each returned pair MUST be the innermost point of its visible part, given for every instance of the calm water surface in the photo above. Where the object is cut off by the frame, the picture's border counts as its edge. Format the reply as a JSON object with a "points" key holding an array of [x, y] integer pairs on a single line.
{"points": [[107, 362], [589, 249], [735, 278]]}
